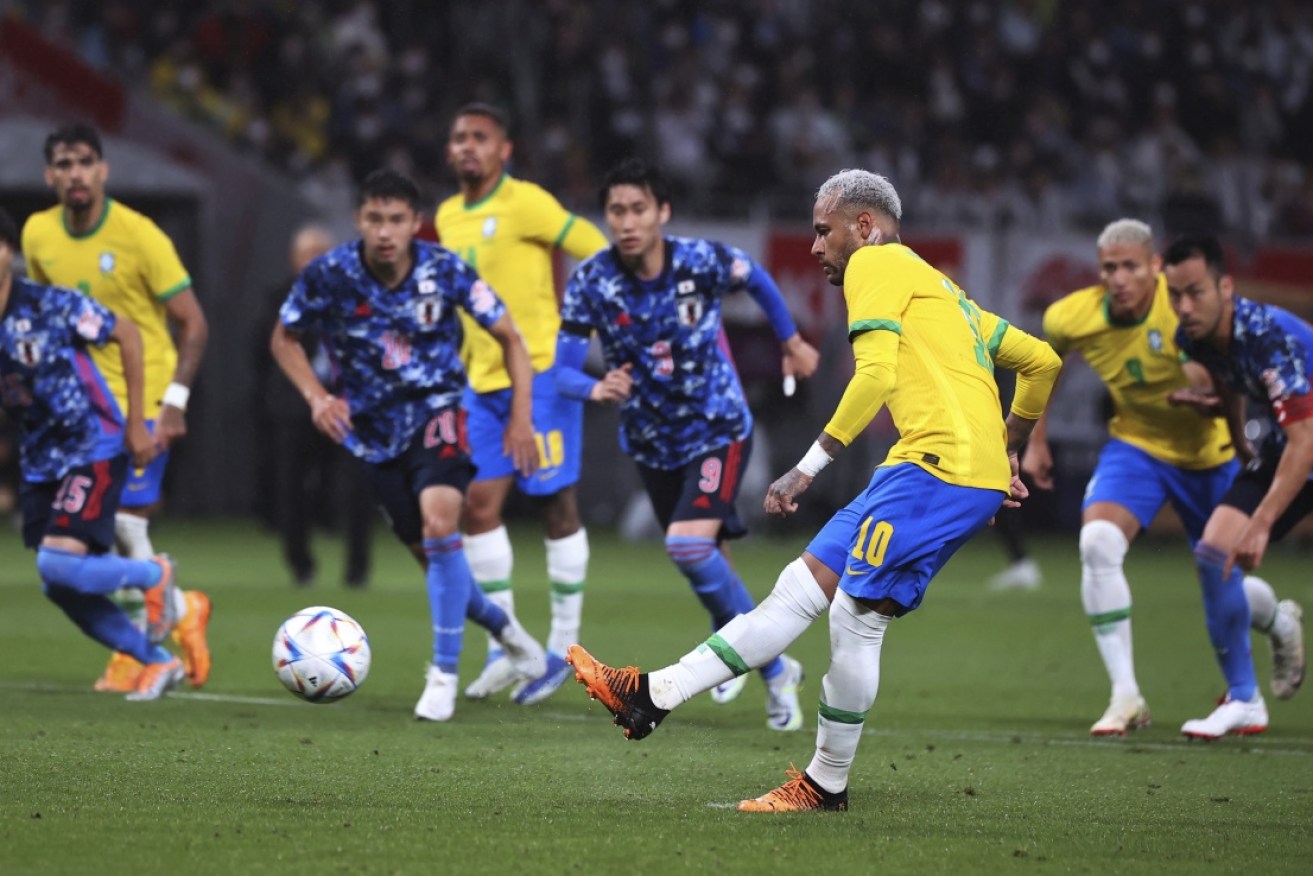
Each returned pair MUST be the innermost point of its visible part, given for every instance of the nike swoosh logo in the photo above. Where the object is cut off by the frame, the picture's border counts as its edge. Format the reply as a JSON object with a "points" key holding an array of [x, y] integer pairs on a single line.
{"points": [[853, 574]]}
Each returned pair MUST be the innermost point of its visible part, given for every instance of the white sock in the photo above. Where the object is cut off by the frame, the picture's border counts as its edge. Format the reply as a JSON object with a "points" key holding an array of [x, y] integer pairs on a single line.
{"points": [[1106, 596], [567, 569], [491, 560], [848, 689], [132, 538], [748, 641], [1262, 605]]}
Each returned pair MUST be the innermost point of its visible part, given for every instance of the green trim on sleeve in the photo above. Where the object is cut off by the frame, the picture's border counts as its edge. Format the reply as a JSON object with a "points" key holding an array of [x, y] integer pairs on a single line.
{"points": [[874, 325], [560, 238], [169, 293], [997, 338]]}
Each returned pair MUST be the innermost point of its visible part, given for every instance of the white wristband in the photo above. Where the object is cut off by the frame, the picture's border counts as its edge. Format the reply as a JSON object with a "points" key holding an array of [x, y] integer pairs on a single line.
{"points": [[176, 396], [814, 460]]}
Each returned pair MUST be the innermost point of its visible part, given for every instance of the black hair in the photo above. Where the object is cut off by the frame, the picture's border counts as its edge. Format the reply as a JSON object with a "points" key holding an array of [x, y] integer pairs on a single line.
{"points": [[1205, 246], [8, 230], [498, 115], [635, 172], [70, 134], [386, 184]]}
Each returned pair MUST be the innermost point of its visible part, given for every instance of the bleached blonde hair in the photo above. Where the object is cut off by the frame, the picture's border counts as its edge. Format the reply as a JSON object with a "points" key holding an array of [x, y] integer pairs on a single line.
{"points": [[863, 189], [1125, 231]]}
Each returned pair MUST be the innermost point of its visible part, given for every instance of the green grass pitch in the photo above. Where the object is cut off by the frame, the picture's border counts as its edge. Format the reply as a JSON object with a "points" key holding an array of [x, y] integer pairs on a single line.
{"points": [[976, 757]]}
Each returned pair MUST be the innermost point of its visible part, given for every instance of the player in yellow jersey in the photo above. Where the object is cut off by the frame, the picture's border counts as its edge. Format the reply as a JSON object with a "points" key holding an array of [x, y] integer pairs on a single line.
{"points": [[924, 349], [1157, 452], [508, 229], [114, 254]]}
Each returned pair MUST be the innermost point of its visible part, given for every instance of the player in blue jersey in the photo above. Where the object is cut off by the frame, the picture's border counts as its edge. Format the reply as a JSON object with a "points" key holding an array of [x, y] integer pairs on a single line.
{"points": [[1264, 353], [76, 446], [385, 306], [655, 303]]}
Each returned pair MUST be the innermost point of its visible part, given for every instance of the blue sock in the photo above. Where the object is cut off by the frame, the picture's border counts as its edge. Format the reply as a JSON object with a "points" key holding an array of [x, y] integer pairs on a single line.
{"points": [[99, 618], [716, 584], [449, 586], [486, 613], [103, 573], [1226, 612]]}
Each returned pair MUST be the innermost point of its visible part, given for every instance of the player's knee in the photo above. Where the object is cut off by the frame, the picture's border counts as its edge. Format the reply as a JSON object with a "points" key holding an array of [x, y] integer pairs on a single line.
{"points": [[57, 568], [1102, 544], [690, 554]]}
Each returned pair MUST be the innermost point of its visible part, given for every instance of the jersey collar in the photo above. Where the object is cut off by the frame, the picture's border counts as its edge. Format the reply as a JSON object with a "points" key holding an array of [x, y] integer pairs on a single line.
{"points": [[488, 197], [104, 214]]}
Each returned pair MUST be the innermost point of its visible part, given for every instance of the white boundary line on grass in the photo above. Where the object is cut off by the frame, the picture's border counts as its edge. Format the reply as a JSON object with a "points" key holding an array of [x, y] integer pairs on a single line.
{"points": [[1253, 745]]}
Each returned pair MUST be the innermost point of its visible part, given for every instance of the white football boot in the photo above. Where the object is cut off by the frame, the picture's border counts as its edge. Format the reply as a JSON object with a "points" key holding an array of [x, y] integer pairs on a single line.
{"points": [[1231, 718], [1123, 715], [783, 712], [1287, 650], [438, 702]]}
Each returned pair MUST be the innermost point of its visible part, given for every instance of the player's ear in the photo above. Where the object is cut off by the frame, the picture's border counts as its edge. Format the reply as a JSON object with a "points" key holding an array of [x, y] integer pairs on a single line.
{"points": [[663, 213], [1227, 285], [1156, 262]]}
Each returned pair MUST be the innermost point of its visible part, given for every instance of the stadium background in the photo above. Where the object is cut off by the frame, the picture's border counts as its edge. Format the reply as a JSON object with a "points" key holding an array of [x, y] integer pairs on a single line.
{"points": [[1014, 130]]}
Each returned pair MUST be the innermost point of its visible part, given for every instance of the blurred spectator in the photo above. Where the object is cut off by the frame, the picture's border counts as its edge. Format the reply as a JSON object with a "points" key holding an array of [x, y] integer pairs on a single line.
{"points": [[313, 480], [1087, 105]]}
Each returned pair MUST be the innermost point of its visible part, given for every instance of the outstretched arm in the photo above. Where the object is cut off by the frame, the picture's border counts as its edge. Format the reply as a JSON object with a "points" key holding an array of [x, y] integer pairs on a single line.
{"points": [[518, 442], [140, 444], [331, 415], [185, 313]]}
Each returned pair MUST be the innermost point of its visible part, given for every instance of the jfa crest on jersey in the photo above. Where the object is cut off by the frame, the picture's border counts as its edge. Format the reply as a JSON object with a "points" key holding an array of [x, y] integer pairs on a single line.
{"points": [[395, 352], [686, 397], [1270, 359], [48, 382]]}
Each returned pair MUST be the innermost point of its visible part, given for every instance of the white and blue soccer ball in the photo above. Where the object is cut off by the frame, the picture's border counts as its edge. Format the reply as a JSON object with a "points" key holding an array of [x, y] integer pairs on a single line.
{"points": [[321, 654]]}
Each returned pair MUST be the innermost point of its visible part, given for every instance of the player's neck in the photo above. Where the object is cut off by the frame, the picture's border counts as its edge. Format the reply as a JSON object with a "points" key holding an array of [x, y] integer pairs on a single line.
{"points": [[650, 264], [6, 286], [391, 275], [477, 191], [82, 221]]}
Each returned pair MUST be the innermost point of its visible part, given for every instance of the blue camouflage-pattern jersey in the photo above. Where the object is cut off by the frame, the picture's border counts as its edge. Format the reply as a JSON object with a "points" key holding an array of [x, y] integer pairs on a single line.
{"points": [[686, 398], [66, 414], [1269, 360], [395, 352]]}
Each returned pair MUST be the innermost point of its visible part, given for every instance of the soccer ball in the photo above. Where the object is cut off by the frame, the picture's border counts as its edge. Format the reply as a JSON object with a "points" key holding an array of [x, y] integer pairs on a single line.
{"points": [[321, 654]]}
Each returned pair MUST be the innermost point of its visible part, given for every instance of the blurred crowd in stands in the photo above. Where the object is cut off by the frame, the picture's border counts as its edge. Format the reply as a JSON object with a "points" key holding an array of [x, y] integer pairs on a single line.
{"points": [[1015, 113]]}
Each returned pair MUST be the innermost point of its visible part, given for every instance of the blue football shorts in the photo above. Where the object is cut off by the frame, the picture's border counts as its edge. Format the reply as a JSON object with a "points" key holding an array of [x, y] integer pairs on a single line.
{"points": [[80, 505], [144, 484], [900, 531], [558, 426], [1127, 476]]}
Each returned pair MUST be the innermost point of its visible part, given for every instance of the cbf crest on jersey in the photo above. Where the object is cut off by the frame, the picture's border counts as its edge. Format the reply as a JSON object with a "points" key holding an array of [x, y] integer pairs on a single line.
{"points": [[490, 226], [688, 303], [107, 262], [1155, 340]]}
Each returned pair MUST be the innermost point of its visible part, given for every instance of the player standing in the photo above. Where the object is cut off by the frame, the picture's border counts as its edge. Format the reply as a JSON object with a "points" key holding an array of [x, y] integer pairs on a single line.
{"points": [[507, 230], [1156, 453], [928, 352], [74, 455], [655, 303], [119, 257], [1266, 354], [385, 308]]}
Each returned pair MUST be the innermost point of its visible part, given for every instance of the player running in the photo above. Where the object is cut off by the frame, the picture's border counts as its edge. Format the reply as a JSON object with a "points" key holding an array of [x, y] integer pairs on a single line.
{"points": [[1156, 453], [1266, 354], [74, 454], [507, 229], [385, 308], [928, 352], [655, 304], [119, 257]]}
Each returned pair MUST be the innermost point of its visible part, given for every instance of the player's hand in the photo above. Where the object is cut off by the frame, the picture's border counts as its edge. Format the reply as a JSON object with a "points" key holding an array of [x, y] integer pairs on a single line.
{"points": [[1017, 490], [332, 416], [615, 387], [1037, 463], [1249, 550], [1204, 403], [170, 425], [800, 358], [780, 498], [140, 444], [519, 444]]}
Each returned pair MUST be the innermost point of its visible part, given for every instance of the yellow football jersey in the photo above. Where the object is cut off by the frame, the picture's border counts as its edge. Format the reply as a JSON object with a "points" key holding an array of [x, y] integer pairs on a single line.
{"points": [[1140, 364], [508, 237], [944, 401], [126, 263]]}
